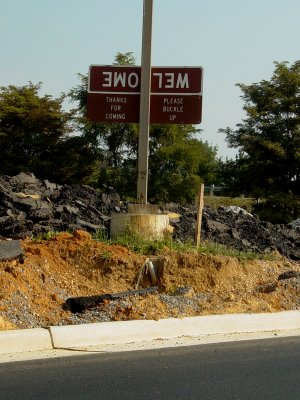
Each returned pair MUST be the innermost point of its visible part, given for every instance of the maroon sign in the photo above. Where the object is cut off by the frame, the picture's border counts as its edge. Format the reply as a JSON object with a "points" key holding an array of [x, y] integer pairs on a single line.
{"points": [[105, 79], [170, 109], [113, 107], [114, 94]]}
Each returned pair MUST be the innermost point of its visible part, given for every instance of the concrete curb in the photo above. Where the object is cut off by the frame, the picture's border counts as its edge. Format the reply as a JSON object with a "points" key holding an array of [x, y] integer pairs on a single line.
{"points": [[103, 333], [138, 330], [17, 341]]}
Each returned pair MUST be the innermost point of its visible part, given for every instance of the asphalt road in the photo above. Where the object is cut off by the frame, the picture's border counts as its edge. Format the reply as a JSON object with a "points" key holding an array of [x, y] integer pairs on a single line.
{"points": [[257, 369]]}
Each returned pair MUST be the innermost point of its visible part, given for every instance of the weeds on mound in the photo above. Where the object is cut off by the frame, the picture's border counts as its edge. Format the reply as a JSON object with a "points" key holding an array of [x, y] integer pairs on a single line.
{"points": [[133, 241]]}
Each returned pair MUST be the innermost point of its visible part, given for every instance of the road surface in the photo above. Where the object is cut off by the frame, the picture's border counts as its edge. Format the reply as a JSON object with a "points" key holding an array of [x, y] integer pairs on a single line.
{"points": [[256, 369]]}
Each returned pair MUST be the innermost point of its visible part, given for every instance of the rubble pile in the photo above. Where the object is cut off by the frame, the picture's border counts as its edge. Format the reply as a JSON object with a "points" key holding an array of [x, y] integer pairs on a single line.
{"points": [[236, 228], [30, 207]]}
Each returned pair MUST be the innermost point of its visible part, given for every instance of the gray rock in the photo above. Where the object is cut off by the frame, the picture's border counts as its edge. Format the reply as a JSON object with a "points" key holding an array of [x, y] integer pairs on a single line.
{"points": [[10, 249]]}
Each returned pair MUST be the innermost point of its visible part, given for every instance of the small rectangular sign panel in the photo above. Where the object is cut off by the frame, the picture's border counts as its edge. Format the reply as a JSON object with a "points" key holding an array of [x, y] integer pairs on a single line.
{"points": [[170, 109], [113, 108]]}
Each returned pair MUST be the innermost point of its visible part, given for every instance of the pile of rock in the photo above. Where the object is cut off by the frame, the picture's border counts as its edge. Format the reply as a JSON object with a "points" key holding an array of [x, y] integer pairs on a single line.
{"points": [[236, 228], [30, 207]]}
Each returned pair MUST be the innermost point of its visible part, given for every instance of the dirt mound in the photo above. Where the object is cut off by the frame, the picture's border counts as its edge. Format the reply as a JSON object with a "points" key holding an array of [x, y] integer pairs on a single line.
{"points": [[37, 282], [34, 289]]}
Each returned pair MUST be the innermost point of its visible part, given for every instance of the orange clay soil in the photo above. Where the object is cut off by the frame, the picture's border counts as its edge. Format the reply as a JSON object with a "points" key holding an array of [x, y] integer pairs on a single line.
{"points": [[75, 265]]}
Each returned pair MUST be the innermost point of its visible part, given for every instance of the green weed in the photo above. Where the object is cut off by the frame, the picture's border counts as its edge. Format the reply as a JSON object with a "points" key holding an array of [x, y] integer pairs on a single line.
{"points": [[136, 243], [101, 236], [44, 236], [106, 255], [207, 247]]}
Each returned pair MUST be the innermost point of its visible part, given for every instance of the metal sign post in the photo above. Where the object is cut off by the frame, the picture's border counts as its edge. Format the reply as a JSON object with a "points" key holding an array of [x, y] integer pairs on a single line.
{"points": [[157, 95], [143, 149]]}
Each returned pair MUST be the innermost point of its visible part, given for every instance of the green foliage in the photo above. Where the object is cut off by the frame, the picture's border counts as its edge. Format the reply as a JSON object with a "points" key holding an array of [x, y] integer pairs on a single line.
{"points": [[31, 128], [77, 162], [269, 137], [279, 209], [101, 236], [114, 146], [247, 204], [136, 243], [45, 236], [35, 136], [178, 163], [106, 255], [219, 249], [124, 58]]}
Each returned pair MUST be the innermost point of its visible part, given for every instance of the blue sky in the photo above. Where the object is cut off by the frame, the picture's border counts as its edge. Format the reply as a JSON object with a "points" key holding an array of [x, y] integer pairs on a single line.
{"points": [[50, 41]]}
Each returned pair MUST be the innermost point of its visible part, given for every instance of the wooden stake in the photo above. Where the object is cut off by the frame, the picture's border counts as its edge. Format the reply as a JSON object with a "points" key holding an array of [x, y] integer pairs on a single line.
{"points": [[199, 214]]}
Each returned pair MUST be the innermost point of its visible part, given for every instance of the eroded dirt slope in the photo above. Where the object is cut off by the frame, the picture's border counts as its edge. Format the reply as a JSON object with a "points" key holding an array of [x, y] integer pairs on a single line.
{"points": [[34, 291]]}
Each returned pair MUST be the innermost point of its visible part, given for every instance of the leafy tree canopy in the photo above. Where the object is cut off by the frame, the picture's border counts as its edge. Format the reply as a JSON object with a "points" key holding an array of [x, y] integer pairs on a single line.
{"points": [[35, 136], [124, 58], [268, 138], [178, 163], [31, 126]]}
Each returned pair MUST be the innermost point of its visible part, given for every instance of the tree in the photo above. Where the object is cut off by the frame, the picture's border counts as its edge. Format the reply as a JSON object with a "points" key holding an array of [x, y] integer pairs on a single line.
{"points": [[268, 138], [178, 163], [124, 58], [30, 129], [114, 144], [35, 137]]}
